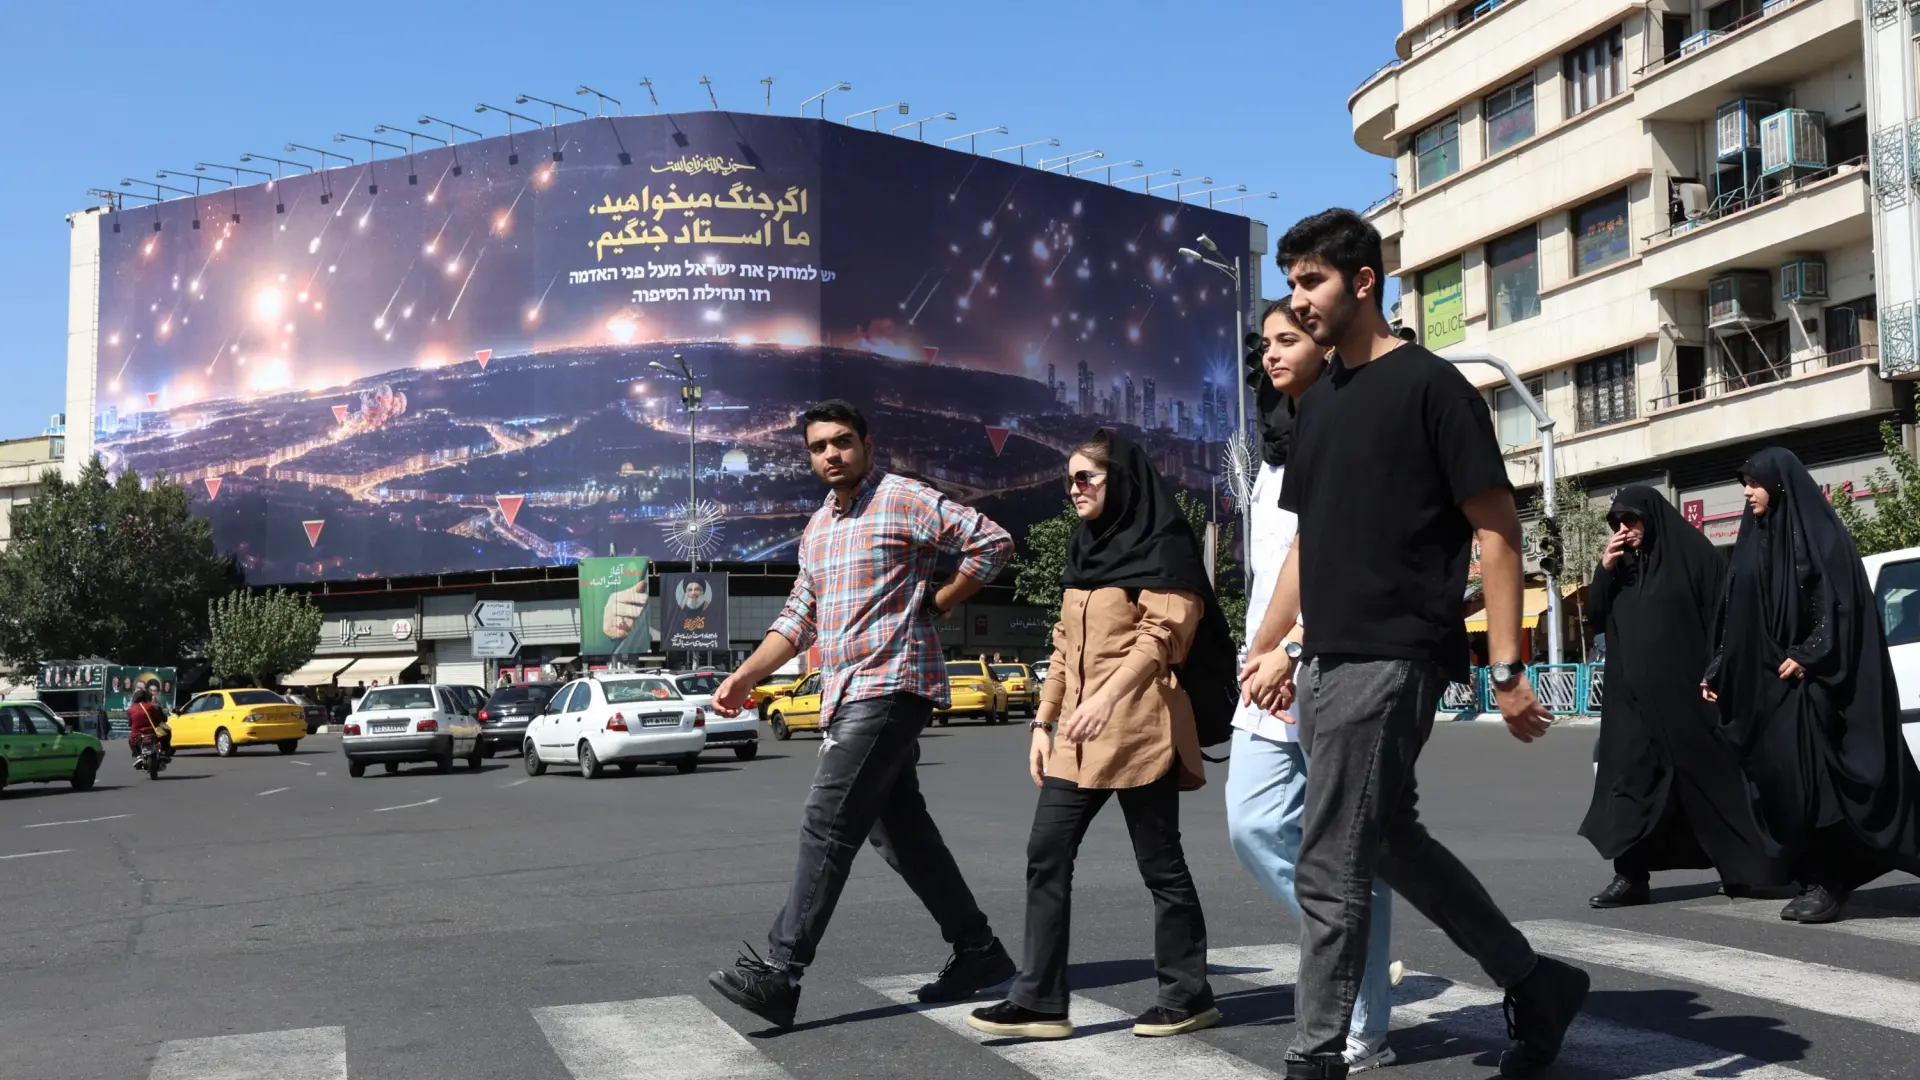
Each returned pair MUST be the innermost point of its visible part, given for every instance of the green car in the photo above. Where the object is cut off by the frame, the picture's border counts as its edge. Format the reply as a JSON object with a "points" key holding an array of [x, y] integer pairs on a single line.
{"points": [[37, 748]]}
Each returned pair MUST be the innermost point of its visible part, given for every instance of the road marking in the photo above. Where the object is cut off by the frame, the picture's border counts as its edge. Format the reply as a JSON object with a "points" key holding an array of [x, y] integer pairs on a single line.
{"points": [[32, 854], [77, 821], [274, 791], [518, 782], [664, 1038], [408, 806], [1105, 1047], [1821, 988], [1904, 930], [298, 1054], [302, 764], [1472, 1015], [322, 772]]}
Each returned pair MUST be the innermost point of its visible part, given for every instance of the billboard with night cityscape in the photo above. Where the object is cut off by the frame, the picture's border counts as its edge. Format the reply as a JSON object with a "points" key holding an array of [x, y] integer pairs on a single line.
{"points": [[442, 362]]}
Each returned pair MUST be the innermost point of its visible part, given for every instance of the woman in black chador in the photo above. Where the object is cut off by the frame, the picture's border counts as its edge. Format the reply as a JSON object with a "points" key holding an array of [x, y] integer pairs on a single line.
{"points": [[1807, 696], [1668, 793]]}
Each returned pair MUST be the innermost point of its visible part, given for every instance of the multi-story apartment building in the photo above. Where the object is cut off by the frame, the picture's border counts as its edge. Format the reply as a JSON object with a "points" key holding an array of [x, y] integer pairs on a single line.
{"points": [[1660, 213]]}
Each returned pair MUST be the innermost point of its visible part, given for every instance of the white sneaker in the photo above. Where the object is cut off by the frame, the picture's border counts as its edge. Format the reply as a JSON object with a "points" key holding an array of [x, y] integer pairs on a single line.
{"points": [[1395, 972], [1360, 1057]]}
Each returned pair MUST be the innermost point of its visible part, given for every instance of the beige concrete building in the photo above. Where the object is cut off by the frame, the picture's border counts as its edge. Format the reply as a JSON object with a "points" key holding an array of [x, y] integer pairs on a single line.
{"points": [[1659, 212], [22, 461]]}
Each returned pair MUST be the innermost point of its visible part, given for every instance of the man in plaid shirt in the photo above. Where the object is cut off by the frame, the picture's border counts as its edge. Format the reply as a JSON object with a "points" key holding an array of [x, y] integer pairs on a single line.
{"points": [[866, 595]]}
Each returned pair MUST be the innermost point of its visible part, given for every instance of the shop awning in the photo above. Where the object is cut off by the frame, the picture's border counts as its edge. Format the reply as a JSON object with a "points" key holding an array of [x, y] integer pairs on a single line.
{"points": [[317, 672], [370, 669], [1532, 606], [559, 660]]}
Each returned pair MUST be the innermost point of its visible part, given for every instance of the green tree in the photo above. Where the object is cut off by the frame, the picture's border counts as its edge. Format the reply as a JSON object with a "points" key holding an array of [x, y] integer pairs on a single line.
{"points": [[1583, 538], [257, 637], [1895, 521], [1040, 567], [103, 568]]}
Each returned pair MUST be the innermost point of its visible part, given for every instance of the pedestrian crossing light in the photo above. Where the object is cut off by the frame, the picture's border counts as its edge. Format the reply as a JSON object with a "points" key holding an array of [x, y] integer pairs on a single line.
{"points": [[1550, 547]]}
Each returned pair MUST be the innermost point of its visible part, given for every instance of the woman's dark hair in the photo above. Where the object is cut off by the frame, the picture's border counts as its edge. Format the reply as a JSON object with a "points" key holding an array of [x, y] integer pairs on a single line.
{"points": [[1282, 307], [1341, 239], [1098, 449], [142, 696], [835, 411]]}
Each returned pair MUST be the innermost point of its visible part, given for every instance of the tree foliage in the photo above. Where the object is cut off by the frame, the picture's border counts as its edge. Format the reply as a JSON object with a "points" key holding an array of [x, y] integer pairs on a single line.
{"points": [[1895, 497], [257, 637], [113, 569], [1040, 568], [1583, 529]]}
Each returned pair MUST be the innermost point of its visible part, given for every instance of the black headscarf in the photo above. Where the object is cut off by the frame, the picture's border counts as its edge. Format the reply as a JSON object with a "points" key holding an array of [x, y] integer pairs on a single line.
{"points": [[1667, 786], [1823, 749], [1141, 540]]}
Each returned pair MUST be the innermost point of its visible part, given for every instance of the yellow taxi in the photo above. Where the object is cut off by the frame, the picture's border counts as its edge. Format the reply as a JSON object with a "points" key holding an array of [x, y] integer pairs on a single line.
{"points": [[797, 710], [770, 688], [230, 719], [1022, 688], [973, 691]]}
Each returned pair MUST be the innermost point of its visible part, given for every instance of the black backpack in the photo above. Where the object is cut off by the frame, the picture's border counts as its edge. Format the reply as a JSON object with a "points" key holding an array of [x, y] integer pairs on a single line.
{"points": [[1211, 676]]}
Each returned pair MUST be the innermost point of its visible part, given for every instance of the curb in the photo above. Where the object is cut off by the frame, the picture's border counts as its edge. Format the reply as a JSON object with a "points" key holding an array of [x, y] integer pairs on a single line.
{"points": [[1559, 720]]}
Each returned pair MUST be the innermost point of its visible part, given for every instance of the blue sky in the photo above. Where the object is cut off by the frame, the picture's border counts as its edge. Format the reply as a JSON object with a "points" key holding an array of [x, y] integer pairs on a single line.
{"points": [[1245, 92]]}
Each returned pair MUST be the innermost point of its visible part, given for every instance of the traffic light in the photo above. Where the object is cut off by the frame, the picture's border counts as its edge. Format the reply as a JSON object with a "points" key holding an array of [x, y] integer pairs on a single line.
{"points": [[1550, 547]]}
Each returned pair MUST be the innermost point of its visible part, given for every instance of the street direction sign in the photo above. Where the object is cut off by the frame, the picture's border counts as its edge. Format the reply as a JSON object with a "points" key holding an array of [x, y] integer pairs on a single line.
{"points": [[493, 614], [495, 644]]}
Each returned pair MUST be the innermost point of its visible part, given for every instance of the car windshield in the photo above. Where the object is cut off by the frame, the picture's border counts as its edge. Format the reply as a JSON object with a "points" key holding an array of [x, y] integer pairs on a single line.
{"points": [[698, 684], [517, 695], [397, 697], [257, 697], [966, 667], [1007, 671], [624, 691]]}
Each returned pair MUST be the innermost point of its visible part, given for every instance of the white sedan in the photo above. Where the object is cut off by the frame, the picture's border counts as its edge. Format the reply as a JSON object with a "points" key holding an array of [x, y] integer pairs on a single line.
{"points": [[621, 720], [740, 734]]}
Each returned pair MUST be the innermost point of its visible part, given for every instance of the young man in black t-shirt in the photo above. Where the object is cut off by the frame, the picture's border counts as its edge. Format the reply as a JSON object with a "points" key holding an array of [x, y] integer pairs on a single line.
{"points": [[1394, 472]]}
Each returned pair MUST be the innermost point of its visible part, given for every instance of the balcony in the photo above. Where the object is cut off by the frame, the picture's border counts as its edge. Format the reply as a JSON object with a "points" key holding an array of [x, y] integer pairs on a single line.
{"points": [[1789, 40], [1822, 212], [1372, 107], [1384, 215]]}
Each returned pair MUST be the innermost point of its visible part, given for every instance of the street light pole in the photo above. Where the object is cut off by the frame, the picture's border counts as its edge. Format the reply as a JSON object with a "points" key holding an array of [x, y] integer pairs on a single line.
{"points": [[689, 396], [1233, 273], [1021, 148]]}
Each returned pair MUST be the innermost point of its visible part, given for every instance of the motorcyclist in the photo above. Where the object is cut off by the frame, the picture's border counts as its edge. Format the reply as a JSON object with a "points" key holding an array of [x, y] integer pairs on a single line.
{"points": [[146, 718]]}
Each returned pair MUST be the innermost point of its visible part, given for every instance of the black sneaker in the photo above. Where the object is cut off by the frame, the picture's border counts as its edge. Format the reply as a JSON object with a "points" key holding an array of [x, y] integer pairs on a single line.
{"points": [[968, 972], [1010, 1021], [768, 991], [1160, 1021], [1815, 904], [1621, 892], [1539, 1010], [1325, 1067]]}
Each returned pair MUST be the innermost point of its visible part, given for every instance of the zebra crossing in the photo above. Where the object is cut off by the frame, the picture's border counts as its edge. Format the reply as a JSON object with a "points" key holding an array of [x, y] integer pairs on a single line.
{"points": [[1441, 1025]]}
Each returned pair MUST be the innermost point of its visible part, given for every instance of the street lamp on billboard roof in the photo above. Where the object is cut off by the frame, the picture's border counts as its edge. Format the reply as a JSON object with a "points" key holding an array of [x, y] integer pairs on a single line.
{"points": [[203, 166], [969, 136], [451, 128], [513, 156], [326, 184], [373, 187], [1110, 166], [279, 207], [1208, 192], [1243, 198], [1215, 259], [556, 107], [618, 108], [875, 113], [821, 97], [196, 178], [382, 129], [922, 124], [156, 196], [1148, 176], [1177, 184], [1067, 161], [1022, 148]]}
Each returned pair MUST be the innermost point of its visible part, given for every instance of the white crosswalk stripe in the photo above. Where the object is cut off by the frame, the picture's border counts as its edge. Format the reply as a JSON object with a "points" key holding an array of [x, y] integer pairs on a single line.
{"points": [[1104, 1045], [1800, 984], [1905, 931], [318, 1053], [663, 1038], [1472, 1015]]}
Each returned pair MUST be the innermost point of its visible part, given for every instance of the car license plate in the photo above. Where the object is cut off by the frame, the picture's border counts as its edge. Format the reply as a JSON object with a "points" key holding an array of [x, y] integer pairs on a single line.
{"points": [[659, 721], [388, 725]]}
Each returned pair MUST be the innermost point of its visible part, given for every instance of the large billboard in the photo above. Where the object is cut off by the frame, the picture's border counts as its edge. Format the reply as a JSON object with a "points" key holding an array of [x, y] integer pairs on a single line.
{"points": [[613, 607], [444, 361]]}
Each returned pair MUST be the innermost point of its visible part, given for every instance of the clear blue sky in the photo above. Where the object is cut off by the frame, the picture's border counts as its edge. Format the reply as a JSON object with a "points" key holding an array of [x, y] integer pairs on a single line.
{"points": [[1243, 91]]}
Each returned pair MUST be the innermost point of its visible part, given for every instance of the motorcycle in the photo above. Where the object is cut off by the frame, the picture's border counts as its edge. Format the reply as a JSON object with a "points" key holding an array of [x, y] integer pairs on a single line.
{"points": [[152, 756]]}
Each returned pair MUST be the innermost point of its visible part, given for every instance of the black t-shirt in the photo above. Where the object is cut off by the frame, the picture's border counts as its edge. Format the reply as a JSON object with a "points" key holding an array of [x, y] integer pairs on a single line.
{"points": [[1383, 456]]}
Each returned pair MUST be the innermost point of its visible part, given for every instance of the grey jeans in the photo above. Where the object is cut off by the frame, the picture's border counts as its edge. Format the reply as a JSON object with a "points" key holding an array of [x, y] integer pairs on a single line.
{"points": [[1363, 721], [866, 787]]}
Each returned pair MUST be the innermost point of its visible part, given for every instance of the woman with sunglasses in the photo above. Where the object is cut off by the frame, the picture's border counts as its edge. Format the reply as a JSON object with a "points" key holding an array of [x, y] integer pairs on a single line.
{"points": [[1136, 594], [1668, 793]]}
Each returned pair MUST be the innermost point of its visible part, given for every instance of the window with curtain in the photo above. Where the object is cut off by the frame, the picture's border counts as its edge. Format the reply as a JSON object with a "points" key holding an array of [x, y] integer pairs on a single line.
{"points": [[1596, 72], [1513, 278], [1604, 388], [1436, 152], [1509, 113], [1600, 234]]}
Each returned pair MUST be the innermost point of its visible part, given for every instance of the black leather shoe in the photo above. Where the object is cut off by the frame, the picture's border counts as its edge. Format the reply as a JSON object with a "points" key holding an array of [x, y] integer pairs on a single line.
{"points": [[1815, 904], [1325, 1067], [1539, 1010], [1009, 1021], [968, 972], [768, 991], [1621, 892]]}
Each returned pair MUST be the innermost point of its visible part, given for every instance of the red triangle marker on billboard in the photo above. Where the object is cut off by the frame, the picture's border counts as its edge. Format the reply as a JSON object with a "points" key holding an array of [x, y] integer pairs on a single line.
{"points": [[931, 351], [510, 507], [213, 487], [998, 436], [483, 355], [340, 413], [313, 531], [152, 400]]}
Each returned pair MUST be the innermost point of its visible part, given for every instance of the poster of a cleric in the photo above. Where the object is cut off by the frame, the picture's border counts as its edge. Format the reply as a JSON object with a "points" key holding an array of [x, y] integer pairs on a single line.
{"points": [[694, 618]]}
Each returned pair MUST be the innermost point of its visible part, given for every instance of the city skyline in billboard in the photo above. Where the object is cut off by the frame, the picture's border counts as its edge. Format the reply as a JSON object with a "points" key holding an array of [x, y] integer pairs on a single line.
{"points": [[445, 361]]}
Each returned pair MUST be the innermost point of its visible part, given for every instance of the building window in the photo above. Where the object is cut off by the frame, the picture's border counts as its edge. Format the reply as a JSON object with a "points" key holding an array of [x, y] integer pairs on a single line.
{"points": [[1436, 152], [1513, 263], [1756, 357], [1850, 326], [1847, 141], [1674, 31], [1600, 234], [1605, 388], [1512, 417], [1595, 72], [1725, 16], [1510, 115], [1442, 307]]}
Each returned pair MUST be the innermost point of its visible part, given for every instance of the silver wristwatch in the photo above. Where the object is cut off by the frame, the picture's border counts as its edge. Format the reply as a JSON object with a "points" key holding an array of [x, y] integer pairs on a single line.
{"points": [[1293, 649], [1503, 676]]}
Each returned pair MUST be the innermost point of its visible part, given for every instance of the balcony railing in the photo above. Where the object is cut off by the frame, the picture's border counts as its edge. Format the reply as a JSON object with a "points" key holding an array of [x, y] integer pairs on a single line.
{"points": [[1377, 72], [1763, 190], [1766, 376], [1707, 39], [1381, 203]]}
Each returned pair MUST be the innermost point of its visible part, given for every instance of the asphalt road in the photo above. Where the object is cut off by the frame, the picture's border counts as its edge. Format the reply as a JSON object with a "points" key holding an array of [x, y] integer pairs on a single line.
{"points": [[424, 926]]}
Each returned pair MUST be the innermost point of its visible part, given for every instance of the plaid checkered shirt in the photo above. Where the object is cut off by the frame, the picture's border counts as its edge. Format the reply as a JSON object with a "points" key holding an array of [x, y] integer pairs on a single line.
{"points": [[866, 584]]}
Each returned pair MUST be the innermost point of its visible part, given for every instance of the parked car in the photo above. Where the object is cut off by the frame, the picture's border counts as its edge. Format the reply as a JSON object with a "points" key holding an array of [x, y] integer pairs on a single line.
{"points": [[399, 725], [315, 713], [741, 734], [621, 720], [796, 711], [504, 717], [36, 747], [973, 691], [471, 698], [1023, 689], [1896, 592], [1040, 668], [230, 719]]}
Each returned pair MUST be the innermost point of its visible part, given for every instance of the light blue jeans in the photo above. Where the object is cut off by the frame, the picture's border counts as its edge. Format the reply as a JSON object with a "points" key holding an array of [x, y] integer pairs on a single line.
{"points": [[1266, 796]]}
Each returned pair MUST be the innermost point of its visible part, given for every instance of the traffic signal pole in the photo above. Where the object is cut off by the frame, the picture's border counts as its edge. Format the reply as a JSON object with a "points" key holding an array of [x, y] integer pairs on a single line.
{"points": [[1548, 480]]}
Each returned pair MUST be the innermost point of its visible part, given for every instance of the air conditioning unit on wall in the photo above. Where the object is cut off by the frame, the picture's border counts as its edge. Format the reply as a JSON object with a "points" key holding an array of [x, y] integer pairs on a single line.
{"points": [[1793, 140], [1740, 298], [1804, 280], [1736, 126]]}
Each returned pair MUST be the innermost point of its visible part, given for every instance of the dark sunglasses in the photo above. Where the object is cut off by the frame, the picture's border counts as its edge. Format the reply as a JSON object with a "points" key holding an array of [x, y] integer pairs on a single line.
{"points": [[1622, 519], [1084, 479]]}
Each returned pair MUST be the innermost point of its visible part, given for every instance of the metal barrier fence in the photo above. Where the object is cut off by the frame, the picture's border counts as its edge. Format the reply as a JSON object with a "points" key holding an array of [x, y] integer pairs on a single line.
{"points": [[1565, 689]]}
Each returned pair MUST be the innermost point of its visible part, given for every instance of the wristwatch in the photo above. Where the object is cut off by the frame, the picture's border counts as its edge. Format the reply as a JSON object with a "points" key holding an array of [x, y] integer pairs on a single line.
{"points": [[1293, 649], [1503, 675]]}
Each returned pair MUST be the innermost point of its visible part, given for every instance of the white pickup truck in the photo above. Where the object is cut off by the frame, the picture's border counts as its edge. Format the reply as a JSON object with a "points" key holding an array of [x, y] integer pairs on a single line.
{"points": [[1896, 592]]}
